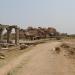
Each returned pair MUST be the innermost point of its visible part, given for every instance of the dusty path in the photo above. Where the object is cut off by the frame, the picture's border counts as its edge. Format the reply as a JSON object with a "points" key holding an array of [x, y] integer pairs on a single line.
{"points": [[40, 61], [25, 56]]}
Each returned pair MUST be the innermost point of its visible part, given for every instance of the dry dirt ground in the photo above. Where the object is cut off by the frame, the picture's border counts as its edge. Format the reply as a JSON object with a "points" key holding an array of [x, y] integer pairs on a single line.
{"points": [[40, 60]]}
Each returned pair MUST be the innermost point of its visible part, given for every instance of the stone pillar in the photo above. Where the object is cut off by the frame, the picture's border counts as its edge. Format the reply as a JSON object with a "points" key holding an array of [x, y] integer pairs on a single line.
{"points": [[1, 36], [8, 35], [17, 36]]}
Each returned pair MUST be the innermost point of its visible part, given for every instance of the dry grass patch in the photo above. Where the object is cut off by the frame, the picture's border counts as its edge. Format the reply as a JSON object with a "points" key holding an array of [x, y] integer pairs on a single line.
{"points": [[68, 50], [65, 45]]}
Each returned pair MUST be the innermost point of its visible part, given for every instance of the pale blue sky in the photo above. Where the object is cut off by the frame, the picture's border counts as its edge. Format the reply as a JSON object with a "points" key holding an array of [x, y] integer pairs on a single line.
{"points": [[54, 13]]}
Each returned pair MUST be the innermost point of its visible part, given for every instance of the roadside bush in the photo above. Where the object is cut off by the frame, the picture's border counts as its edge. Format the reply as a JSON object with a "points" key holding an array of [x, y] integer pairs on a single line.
{"points": [[57, 49], [23, 46], [65, 45]]}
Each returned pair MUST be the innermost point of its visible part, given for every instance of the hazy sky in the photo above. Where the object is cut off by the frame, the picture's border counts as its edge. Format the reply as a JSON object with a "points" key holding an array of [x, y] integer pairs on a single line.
{"points": [[54, 13]]}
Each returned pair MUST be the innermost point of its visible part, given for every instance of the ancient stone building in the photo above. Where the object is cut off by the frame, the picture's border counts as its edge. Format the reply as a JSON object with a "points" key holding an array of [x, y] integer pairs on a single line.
{"points": [[9, 29], [28, 34]]}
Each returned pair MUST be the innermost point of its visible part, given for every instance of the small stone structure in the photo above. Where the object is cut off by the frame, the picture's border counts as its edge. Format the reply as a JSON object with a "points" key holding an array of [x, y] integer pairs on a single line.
{"points": [[9, 29]]}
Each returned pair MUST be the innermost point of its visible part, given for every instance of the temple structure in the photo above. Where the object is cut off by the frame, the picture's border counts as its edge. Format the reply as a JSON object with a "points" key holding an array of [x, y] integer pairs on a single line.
{"points": [[27, 34], [9, 29]]}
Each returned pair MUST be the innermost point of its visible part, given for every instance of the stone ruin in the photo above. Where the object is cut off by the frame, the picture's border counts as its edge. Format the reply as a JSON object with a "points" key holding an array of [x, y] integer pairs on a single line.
{"points": [[4, 46], [9, 29], [25, 34]]}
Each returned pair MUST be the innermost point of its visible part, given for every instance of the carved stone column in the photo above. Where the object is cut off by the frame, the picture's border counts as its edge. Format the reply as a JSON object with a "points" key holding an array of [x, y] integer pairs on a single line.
{"points": [[1, 36], [17, 36], [8, 34]]}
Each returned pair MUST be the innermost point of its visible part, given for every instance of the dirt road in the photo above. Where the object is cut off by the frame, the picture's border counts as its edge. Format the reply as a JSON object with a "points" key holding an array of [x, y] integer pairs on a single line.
{"points": [[40, 61]]}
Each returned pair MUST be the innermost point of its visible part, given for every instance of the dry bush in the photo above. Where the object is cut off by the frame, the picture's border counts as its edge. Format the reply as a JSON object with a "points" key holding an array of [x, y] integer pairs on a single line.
{"points": [[70, 52], [58, 38], [23, 46], [65, 45], [57, 50]]}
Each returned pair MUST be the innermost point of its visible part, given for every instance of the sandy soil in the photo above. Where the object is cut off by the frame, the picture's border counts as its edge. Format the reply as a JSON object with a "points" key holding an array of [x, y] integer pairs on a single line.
{"points": [[41, 60]]}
